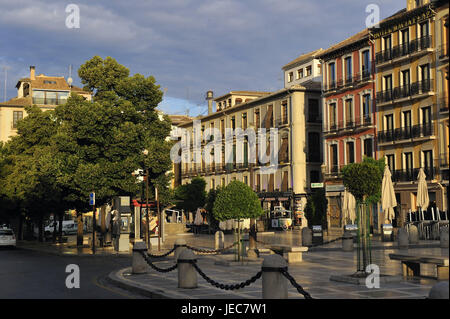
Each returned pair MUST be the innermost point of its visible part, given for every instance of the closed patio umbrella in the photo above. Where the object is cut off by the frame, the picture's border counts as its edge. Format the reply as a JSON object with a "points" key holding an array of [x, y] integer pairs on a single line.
{"points": [[349, 206], [422, 192], [388, 200]]}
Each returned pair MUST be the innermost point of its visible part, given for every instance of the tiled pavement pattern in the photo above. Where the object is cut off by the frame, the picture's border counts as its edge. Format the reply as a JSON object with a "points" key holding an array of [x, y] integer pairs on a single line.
{"points": [[312, 274]]}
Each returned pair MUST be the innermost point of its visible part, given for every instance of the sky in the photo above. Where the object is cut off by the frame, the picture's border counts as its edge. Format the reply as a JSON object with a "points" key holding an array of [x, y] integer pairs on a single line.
{"points": [[189, 46]]}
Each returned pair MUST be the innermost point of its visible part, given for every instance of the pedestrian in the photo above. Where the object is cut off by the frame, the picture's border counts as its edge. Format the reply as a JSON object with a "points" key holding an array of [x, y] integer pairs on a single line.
{"points": [[116, 230]]}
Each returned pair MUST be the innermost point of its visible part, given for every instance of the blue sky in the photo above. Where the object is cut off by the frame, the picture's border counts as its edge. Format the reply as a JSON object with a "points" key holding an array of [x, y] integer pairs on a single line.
{"points": [[189, 46]]}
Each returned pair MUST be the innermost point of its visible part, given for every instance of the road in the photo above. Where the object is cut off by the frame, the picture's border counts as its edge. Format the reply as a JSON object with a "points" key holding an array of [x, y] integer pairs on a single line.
{"points": [[28, 274]]}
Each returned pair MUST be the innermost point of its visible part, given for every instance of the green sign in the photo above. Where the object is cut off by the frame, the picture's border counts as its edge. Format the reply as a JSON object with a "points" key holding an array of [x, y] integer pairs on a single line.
{"points": [[316, 185]]}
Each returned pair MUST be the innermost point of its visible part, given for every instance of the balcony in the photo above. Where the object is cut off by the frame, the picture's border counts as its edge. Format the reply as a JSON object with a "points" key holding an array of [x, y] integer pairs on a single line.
{"points": [[404, 92], [350, 81], [358, 124], [411, 174], [405, 50], [405, 133]]}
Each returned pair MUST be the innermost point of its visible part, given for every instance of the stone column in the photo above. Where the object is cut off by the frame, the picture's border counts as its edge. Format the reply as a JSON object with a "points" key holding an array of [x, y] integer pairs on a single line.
{"points": [[180, 245], [139, 265], [219, 239], [187, 275], [274, 284]]}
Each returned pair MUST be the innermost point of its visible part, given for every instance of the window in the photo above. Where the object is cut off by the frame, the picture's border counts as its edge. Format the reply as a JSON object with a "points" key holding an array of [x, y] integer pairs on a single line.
{"points": [[332, 74], [428, 163], [244, 121], [389, 122], [407, 119], [246, 180], [405, 83], [284, 150], [284, 112], [334, 158], [387, 43], [333, 116], [290, 76], [299, 73], [408, 165], [313, 111], [238, 101], [222, 127], [365, 63], [349, 112], [308, 70], [425, 77], [257, 120], [49, 82], [269, 117], [368, 150], [17, 115], [348, 69], [405, 41], [314, 147], [366, 108], [219, 106], [233, 122], [424, 35], [258, 182], [426, 115], [391, 162], [350, 152]]}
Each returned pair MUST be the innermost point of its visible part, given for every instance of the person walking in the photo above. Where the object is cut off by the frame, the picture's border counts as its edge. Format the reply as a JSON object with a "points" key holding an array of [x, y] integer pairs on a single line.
{"points": [[116, 227]]}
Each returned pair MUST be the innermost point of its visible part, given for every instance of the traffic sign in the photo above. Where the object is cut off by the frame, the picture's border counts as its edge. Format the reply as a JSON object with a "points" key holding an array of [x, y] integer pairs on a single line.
{"points": [[316, 185], [92, 199]]}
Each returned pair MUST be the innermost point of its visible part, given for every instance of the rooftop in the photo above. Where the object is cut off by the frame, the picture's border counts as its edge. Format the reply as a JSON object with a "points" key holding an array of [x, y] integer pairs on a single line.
{"points": [[303, 58]]}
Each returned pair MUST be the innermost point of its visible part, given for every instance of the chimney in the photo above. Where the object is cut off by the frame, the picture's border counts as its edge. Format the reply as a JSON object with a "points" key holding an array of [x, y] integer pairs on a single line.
{"points": [[209, 98], [32, 72]]}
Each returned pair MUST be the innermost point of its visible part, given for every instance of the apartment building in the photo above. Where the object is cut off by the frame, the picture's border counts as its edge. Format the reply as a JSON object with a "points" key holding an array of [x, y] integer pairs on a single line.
{"points": [[408, 70], [349, 119], [44, 91]]}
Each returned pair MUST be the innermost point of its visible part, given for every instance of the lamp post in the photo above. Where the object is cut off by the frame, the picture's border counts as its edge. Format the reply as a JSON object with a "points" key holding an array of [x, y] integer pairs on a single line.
{"points": [[252, 234], [145, 152]]}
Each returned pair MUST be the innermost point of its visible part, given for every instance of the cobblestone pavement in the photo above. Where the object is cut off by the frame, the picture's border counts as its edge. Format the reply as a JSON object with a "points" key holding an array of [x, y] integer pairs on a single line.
{"points": [[313, 274]]}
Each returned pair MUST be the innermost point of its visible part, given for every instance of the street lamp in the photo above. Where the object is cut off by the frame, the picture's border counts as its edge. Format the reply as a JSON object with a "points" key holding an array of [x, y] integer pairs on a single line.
{"points": [[145, 152]]}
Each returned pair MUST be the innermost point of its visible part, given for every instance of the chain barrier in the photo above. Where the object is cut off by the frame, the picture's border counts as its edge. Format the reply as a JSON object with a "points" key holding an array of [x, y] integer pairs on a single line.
{"points": [[295, 284], [208, 251], [223, 286], [326, 242], [149, 262], [163, 255]]}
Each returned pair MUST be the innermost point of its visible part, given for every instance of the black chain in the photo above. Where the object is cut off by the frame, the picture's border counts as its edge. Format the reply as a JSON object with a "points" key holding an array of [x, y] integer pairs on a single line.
{"points": [[326, 242], [163, 255], [295, 284], [146, 258], [227, 287], [214, 251]]}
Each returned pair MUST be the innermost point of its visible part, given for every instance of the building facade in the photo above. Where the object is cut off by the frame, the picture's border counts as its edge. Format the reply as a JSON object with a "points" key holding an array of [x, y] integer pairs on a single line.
{"points": [[44, 91], [349, 119], [408, 114]]}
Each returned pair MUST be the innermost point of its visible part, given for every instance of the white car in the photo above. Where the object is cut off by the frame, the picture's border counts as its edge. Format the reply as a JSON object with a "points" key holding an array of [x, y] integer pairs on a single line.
{"points": [[7, 237]]}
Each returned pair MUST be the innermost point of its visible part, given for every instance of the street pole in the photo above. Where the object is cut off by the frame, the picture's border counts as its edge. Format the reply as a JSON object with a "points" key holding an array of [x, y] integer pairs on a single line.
{"points": [[93, 228], [159, 219], [147, 210]]}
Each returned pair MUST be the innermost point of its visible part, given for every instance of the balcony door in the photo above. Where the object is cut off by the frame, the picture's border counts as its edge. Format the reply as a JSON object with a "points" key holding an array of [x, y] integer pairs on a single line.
{"points": [[409, 165], [365, 63], [334, 158], [425, 77], [405, 83], [407, 124], [405, 41], [428, 163]]}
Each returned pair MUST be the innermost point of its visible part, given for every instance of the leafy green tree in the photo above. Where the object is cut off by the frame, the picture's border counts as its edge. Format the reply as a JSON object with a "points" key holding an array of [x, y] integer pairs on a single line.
{"points": [[192, 195], [210, 199], [237, 200]]}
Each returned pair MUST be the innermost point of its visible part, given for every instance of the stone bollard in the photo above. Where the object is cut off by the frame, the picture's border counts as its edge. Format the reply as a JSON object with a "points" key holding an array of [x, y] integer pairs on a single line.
{"points": [[274, 284], [180, 245], [403, 241], [139, 265], [413, 234], [306, 236], [187, 275], [347, 241], [439, 291], [443, 235], [219, 240]]}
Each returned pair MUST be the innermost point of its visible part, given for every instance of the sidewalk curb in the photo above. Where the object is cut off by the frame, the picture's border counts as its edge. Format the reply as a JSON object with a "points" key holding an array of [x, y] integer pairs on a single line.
{"points": [[61, 254], [116, 278]]}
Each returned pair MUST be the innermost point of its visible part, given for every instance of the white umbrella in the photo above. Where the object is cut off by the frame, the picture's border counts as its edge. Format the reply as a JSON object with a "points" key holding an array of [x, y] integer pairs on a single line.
{"points": [[198, 217], [388, 200], [422, 191], [349, 206]]}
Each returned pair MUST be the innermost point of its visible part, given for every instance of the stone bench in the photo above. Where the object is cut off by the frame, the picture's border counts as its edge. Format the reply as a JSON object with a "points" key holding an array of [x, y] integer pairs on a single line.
{"points": [[411, 264], [292, 254]]}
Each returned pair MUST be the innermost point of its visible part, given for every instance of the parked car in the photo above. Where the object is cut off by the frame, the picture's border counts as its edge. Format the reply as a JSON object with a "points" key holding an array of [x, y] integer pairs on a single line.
{"points": [[69, 227], [7, 237]]}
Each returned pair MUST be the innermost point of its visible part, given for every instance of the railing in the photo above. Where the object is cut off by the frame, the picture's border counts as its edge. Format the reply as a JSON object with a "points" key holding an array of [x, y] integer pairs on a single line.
{"points": [[411, 174], [404, 91], [354, 79], [403, 49], [359, 122], [443, 51], [403, 133]]}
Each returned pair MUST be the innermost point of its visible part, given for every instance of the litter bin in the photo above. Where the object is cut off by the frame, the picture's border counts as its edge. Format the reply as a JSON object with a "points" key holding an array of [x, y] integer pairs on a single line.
{"points": [[353, 230], [387, 232], [317, 234]]}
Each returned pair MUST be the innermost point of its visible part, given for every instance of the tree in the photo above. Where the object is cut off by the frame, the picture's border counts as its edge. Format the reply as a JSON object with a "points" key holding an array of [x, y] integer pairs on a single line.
{"points": [[210, 199], [316, 208], [237, 200], [364, 181], [192, 195]]}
